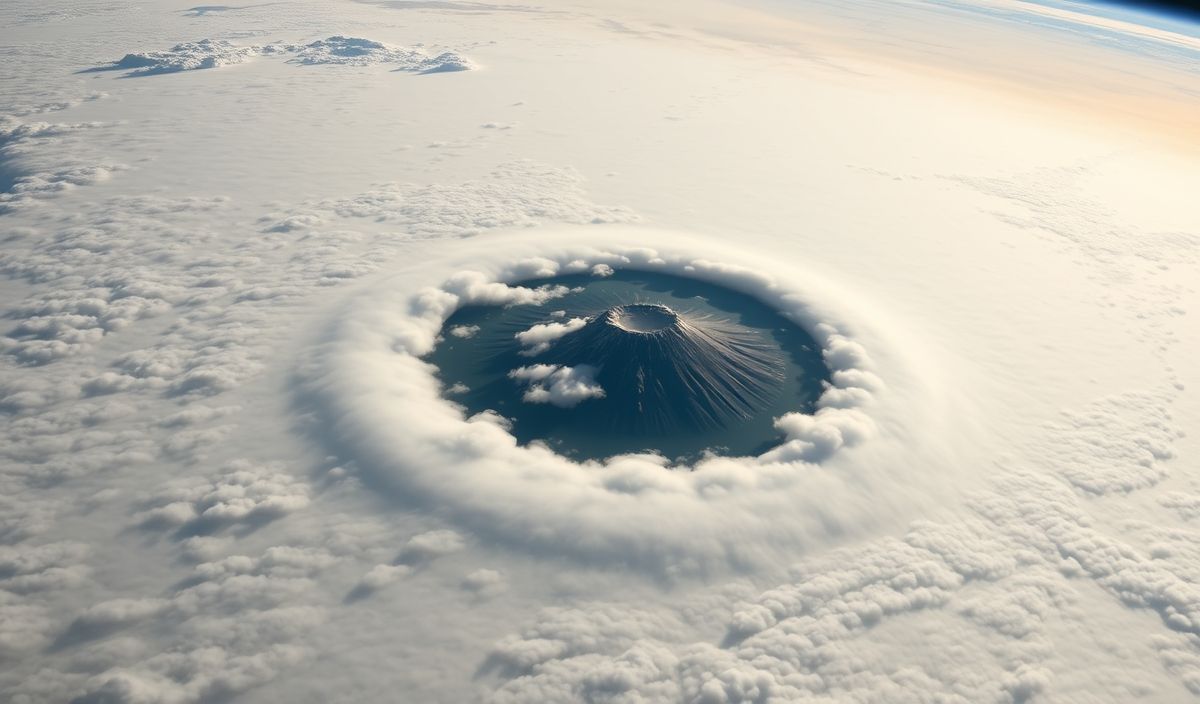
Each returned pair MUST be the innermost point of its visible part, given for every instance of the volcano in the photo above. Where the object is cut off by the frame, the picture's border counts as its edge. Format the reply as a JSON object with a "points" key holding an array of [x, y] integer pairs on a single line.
{"points": [[633, 362], [665, 372]]}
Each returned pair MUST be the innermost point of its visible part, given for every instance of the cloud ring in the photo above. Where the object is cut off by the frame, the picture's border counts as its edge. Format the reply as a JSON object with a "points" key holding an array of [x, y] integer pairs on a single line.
{"points": [[384, 406]]}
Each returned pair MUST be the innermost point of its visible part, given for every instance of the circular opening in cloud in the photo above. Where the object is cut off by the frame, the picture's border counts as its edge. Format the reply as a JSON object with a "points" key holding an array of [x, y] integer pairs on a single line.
{"points": [[633, 361], [385, 406]]}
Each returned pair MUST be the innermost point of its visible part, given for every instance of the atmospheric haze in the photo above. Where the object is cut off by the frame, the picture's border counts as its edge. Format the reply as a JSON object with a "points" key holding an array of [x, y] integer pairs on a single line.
{"points": [[233, 238]]}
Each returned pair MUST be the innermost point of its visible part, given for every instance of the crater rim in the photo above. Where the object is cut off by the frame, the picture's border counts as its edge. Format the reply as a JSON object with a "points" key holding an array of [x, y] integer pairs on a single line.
{"points": [[642, 318]]}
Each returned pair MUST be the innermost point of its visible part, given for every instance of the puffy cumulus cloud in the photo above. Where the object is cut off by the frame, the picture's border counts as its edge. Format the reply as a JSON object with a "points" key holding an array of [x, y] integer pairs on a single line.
{"points": [[24, 627], [124, 268], [538, 338], [377, 578], [27, 568], [281, 561], [36, 185], [31, 575], [243, 495], [191, 676], [418, 552], [426, 547], [816, 437], [21, 520], [21, 145], [1115, 444], [52, 444], [380, 398], [562, 633], [188, 56], [562, 386], [99, 279], [1180, 654], [992, 587], [354, 51], [63, 101], [475, 287], [110, 616], [15, 136], [1185, 504], [31, 175], [485, 583], [234, 625]]}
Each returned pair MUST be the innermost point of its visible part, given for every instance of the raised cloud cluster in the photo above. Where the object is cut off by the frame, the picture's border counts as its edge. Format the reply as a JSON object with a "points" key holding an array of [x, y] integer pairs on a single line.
{"points": [[188, 56], [1130, 436], [418, 552], [350, 51], [538, 338], [475, 469], [242, 495], [562, 386], [24, 179], [233, 625], [29, 575], [81, 310], [26, 569]]}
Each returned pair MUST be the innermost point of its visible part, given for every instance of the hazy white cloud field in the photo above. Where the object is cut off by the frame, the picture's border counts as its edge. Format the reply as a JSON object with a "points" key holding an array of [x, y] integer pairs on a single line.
{"points": [[227, 233]]}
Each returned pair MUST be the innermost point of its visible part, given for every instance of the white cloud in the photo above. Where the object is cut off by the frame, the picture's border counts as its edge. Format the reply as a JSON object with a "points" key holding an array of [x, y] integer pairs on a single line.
{"points": [[538, 338], [381, 576], [234, 625], [242, 495], [565, 387], [426, 547], [354, 51], [337, 50], [26, 568], [485, 583], [1117, 444], [24, 628]]}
